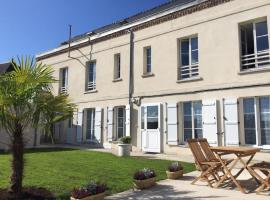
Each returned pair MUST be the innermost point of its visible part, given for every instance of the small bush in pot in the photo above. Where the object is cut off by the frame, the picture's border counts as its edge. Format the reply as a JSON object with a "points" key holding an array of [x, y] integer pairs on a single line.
{"points": [[174, 170], [91, 191], [125, 140], [144, 178], [124, 146]]}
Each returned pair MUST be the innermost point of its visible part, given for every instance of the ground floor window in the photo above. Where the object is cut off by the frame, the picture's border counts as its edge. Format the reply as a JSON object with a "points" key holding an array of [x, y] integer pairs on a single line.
{"points": [[120, 122], [90, 124], [192, 120], [257, 120]]}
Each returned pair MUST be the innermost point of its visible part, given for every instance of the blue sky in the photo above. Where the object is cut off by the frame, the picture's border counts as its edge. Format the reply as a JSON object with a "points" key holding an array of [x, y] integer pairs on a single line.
{"points": [[28, 27]]}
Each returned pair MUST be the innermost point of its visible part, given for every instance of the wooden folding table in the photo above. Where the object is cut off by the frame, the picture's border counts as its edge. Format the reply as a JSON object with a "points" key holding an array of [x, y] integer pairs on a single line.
{"points": [[240, 153]]}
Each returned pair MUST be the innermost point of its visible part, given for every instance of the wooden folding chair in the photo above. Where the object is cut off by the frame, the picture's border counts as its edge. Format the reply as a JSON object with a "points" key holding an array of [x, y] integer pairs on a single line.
{"points": [[208, 168], [209, 153], [263, 168]]}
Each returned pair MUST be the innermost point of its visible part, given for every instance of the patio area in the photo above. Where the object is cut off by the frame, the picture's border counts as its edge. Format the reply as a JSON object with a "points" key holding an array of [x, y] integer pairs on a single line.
{"points": [[182, 189]]}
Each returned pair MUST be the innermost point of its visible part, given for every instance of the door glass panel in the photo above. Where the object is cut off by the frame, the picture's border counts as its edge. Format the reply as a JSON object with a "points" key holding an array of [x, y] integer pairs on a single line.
{"points": [[90, 124], [187, 120], [120, 122], [265, 120], [249, 121], [152, 117], [197, 115]]}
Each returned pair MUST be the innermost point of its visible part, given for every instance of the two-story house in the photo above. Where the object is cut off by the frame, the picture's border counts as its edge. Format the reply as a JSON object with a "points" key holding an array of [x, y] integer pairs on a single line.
{"points": [[184, 69]]}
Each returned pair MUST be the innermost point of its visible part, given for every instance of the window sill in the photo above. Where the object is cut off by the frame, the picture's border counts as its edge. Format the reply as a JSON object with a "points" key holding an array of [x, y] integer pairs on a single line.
{"points": [[117, 80], [255, 70], [146, 75], [90, 91], [189, 80]]}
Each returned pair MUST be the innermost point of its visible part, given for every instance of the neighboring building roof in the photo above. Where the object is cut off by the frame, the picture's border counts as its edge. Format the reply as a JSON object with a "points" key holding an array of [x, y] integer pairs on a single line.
{"points": [[5, 67], [163, 13]]}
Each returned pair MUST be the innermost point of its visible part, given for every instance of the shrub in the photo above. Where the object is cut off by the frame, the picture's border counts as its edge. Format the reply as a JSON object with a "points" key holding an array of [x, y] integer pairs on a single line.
{"points": [[174, 167], [144, 174], [125, 140], [91, 188]]}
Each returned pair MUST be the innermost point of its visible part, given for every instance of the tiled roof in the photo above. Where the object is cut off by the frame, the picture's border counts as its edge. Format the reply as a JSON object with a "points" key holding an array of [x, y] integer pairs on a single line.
{"points": [[5, 67]]}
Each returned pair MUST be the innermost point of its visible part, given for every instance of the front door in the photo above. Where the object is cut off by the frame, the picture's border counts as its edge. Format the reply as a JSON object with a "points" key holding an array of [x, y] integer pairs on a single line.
{"points": [[150, 128]]}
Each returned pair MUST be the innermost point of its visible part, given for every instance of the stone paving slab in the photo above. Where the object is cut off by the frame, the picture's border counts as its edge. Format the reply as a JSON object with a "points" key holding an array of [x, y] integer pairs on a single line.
{"points": [[182, 189]]}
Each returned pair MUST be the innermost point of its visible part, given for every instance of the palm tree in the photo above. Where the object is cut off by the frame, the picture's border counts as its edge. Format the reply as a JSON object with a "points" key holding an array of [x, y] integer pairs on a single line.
{"points": [[23, 105]]}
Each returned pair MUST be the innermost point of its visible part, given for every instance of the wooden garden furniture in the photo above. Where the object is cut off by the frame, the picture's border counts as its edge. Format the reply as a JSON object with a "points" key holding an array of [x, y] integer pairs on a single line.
{"points": [[240, 153], [264, 170], [207, 168]]}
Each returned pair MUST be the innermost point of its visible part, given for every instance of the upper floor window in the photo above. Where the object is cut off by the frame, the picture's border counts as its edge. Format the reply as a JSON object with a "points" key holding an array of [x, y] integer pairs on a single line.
{"points": [[189, 58], [147, 60], [91, 76], [254, 45], [63, 80], [117, 66]]}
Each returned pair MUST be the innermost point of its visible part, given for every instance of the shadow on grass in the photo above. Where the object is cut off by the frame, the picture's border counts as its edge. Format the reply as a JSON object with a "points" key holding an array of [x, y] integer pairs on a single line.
{"points": [[40, 150]]}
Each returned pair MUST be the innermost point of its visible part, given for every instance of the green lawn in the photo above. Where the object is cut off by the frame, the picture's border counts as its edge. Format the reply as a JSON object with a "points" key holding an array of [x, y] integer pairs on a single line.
{"points": [[59, 170]]}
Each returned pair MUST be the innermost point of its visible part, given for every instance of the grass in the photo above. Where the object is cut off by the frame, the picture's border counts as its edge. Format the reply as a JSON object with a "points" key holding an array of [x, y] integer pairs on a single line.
{"points": [[60, 170]]}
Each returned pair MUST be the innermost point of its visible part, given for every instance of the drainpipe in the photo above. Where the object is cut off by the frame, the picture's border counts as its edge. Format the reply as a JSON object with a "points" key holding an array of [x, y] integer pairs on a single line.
{"points": [[131, 80]]}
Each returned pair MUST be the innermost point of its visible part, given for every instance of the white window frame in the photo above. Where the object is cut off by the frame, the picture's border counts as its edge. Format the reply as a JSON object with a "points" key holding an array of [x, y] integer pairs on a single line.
{"points": [[63, 87], [257, 122], [191, 66], [91, 85], [192, 119], [117, 66], [257, 55]]}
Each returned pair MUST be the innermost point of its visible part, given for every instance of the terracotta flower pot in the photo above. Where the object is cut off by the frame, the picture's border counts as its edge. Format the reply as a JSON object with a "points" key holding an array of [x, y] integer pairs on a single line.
{"points": [[144, 184], [99, 196], [174, 175]]}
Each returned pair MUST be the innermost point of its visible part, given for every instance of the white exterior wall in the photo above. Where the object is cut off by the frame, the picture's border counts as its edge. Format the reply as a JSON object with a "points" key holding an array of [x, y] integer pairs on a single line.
{"points": [[219, 67]]}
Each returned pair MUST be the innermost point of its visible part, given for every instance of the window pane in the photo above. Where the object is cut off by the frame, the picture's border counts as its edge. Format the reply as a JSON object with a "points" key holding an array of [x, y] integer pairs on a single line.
{"points": [[247, 39], [249, 105], [262, 43], [90, 124], [197, 121], [152, 123], [187, 108], [265, 137], [92, 71], [197, 107], [198, 133], [264, 105], [185, 59], [194, 57], [148, 60], [187, 121], [152, 117], [194, 43], [152, 111], [265, 120], [120, 112], [250, 136], [249, 120], [187, 134], [261, 28]]}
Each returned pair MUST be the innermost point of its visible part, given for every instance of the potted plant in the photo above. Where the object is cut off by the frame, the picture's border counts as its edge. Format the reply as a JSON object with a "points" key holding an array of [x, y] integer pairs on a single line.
{"points": [[174, 171], [91, 191], [144, 178], [124, 146]]}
